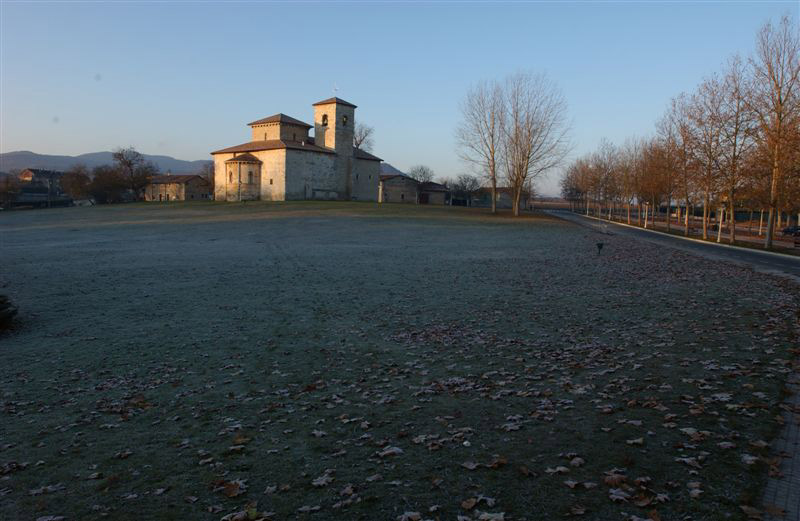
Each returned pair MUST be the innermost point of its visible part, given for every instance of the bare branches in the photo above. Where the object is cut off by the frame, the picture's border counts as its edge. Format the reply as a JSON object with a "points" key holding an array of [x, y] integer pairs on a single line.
{"points": [[775, 99], [534, 130], [362, 137], [421, 173], [480, 134]]}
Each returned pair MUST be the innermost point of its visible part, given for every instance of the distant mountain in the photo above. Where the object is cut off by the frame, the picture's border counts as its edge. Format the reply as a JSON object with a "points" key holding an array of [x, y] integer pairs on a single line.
{"points": [[24, 159], [387, 169]]}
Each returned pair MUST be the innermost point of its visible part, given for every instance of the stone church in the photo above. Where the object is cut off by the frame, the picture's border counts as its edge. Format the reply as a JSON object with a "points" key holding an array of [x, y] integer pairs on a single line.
{"points": [[282, 162]]}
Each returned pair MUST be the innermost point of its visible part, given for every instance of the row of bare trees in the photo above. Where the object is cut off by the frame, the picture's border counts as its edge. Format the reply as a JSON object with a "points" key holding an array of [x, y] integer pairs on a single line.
{"points": [[514, 131], [734, 143]]}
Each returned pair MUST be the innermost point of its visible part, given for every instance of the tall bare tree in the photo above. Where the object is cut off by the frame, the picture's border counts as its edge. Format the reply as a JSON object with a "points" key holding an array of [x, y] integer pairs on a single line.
{"points": [[676, 129], [534, 130], [737, 134], [775, 99], [480, 134], [129, 160], [629, 165], [362, 137], [706, 116]]}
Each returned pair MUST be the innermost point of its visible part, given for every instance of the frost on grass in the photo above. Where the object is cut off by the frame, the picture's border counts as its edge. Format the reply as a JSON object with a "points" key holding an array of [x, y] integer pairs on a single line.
{"points": [[251, 363]]}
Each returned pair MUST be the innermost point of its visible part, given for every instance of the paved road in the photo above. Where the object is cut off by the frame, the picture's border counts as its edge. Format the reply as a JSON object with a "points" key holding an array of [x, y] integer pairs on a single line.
{"points": [[759, 261]]}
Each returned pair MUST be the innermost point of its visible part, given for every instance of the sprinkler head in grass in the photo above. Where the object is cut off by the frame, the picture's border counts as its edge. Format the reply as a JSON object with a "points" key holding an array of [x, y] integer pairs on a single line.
{"points": [[599, 247]]}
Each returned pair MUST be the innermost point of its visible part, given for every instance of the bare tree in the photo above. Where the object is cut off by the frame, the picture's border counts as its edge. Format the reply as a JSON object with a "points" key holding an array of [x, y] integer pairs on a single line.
{"points": [[362, 137], [676, 129], [534, 130], [480, 133], [467, 183], [128, 160], [737, 133], [75, 181], [464, 187], [207, 173], [629, 166], [775, 99], [706, 116], [421, 173]]}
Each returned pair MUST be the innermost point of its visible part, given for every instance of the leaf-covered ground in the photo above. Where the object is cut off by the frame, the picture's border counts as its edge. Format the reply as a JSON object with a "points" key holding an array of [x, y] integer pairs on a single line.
{"points": [[346, 361]]}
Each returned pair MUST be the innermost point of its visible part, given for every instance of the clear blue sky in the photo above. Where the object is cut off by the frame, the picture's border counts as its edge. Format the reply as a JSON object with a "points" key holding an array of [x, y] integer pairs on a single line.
{"points": [[184, 78]]}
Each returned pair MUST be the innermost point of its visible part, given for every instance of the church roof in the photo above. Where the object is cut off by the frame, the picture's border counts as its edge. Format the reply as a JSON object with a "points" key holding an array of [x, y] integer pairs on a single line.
{"points": [[244, 158], [274, 144], [361, 154], [280, 118], [334, 99]]}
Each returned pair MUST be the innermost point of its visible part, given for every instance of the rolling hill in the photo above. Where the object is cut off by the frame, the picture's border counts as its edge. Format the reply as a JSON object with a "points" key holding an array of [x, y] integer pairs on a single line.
{"points": [[24, 159]]}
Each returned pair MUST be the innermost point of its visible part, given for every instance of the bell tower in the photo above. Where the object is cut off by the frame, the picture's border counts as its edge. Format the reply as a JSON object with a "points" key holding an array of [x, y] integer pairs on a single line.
{"points": [[334, 121], [334, 124]]}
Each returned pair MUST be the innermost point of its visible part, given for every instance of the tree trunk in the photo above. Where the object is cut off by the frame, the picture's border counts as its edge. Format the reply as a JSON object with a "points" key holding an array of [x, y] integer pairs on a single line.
{"points": [[629, 213], [770, 225], [720, 220], [686, 220], [773, 198], [494, 194], [668, 217], [750, 223], [705, 217], [732, 219]]}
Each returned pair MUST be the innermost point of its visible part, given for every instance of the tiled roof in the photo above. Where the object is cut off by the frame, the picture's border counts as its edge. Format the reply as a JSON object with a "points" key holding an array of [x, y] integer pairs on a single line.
{"points": [[334, 99], [274, 144], [244, 158], [430, 186], [361, 154], [280, 118], [173, 179], [386, 177]]}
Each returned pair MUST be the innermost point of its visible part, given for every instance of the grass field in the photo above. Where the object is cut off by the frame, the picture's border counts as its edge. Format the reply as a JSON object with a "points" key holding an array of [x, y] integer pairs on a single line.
{"points": [[356, 361]]}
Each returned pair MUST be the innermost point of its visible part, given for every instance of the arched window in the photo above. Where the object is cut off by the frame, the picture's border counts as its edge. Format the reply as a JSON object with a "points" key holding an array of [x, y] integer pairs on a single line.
{"points": [[230, 177], [249, 177], [324, 120], [344, 121]]}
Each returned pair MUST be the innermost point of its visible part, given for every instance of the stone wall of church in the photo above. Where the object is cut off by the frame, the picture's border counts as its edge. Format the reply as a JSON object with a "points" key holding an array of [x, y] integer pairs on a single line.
{"points": [[243, 181], [220, 176], [273, 174], [366, 177], [293, 133], [312, 175], [269, 131], [265, 131]]}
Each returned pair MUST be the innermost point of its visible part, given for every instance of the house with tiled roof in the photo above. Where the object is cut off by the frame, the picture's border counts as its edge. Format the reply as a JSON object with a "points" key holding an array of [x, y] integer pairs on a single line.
{"points": [[283, 162], [177, 187]]}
